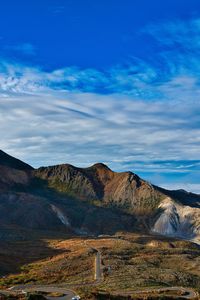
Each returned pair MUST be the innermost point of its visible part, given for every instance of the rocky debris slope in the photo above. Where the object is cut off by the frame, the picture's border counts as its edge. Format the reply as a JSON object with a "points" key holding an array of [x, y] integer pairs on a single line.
{"points": [[178, 220]]}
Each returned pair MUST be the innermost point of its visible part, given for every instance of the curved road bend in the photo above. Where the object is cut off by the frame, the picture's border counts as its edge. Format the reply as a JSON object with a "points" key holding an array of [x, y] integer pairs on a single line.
{"points": [[68, 294], [187, 293]]}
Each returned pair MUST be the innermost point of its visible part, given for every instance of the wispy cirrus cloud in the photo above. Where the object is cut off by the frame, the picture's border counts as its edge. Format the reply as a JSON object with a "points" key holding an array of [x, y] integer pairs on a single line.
{"points": [[23, 48], [48, 126], [119, 79], [179, 45], [177, 33], [138, 116]]}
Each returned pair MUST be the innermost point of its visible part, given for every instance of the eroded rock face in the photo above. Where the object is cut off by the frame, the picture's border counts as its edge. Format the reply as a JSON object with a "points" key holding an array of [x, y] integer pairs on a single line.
{"points": [[69, 179], [124, 190], [129, 191], [178, 220], [92, 200], [151, 206], [31, 199]]}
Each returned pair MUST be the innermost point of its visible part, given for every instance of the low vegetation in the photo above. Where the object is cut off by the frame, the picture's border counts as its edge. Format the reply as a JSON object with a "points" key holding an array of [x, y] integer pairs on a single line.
{"points": [[129, 262]]}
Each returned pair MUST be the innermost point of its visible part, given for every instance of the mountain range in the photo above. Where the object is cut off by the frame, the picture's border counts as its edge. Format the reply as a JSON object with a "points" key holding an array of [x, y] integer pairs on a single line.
{"points": [[91, 201]]}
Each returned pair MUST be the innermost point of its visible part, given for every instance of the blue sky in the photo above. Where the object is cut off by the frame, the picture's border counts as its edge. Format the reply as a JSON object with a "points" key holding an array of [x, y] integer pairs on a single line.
{"points": [[83, 81]]}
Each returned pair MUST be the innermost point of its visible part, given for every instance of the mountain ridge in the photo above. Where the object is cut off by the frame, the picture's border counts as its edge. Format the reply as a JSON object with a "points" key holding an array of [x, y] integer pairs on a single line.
{"points": [[10, 161], [92, 200]]}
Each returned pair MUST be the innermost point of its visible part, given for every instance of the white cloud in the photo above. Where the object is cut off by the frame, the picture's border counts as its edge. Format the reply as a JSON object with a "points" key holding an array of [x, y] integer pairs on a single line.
{"points": [[82, 128], [194, 187], [129, 116], [178, 33]]}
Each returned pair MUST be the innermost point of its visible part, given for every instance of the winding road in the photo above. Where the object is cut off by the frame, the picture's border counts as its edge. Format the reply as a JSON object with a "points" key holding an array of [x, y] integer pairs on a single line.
{"points": [[68, 294], [186, 293]]}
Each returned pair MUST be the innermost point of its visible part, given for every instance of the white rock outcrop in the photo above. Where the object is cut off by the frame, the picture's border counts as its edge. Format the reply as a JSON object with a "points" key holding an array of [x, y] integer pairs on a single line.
{"points": [[64, 220], [178, 221]]}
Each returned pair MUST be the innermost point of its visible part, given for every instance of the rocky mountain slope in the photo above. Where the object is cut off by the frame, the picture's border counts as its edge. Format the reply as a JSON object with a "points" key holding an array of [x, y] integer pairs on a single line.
{"points": [[122, 190], [14, 163], [91, 200], [12, 172]]}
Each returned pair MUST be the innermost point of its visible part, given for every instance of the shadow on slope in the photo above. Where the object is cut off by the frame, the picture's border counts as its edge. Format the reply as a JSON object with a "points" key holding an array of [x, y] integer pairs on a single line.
{"points": [[14, 254], [37, 205]]}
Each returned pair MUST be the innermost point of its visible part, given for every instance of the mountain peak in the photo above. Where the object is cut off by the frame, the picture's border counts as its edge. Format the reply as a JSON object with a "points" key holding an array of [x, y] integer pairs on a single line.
{"points": [[100, 166], [11, 162]]}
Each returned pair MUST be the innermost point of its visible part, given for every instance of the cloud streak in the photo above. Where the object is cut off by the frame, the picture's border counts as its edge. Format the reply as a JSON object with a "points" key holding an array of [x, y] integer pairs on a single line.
{"points": [[129, 116]]}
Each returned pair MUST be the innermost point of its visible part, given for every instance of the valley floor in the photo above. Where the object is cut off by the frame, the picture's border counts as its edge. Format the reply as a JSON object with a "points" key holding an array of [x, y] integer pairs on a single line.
{"points": [[128, 262]]}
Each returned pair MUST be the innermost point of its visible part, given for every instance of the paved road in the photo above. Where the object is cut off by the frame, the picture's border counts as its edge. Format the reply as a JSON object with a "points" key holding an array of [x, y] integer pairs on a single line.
{"points": [[186, 293], [98, 274], [55, 289], [68, 294], [97, 264]]}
